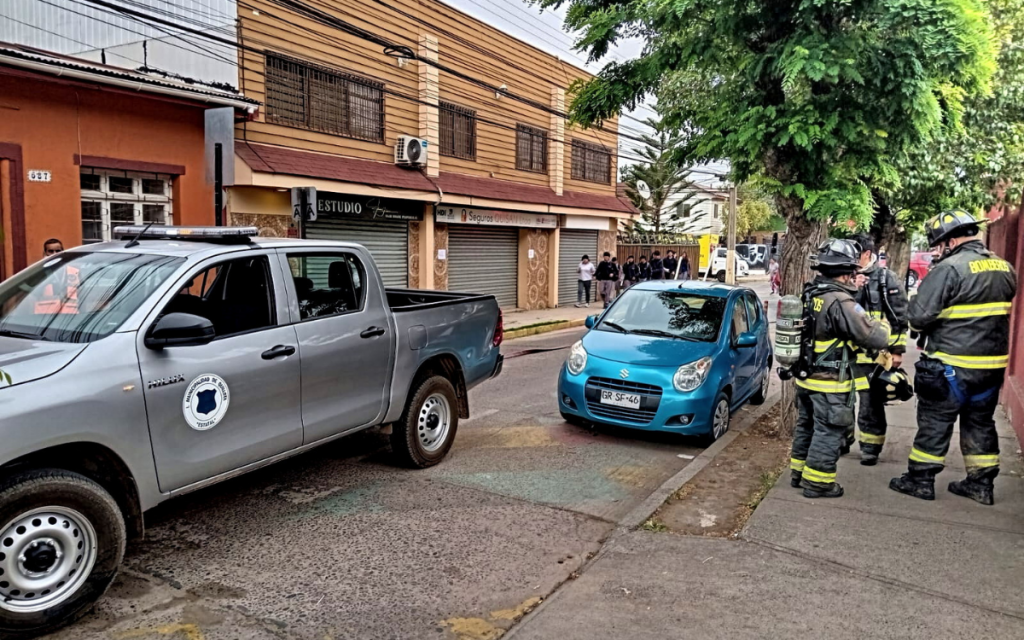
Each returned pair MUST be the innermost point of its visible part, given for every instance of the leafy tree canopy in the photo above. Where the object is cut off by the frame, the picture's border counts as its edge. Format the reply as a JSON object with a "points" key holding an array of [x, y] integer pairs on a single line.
{"points": [[818, 96]]}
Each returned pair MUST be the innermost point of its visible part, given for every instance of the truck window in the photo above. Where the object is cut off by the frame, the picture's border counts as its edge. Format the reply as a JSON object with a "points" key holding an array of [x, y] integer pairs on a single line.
{"points": [[327, 284], [236, 296], [80, 297]]}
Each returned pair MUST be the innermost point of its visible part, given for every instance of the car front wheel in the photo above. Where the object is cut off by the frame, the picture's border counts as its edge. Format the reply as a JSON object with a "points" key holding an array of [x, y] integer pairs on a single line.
{"points": [[720, 416], [62, 539], [911, 278]]}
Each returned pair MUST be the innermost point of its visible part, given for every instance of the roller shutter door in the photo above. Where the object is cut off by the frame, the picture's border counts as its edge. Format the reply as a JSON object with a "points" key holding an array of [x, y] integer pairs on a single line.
{"points": [[484, 260], [573, 245], [386, 240]]}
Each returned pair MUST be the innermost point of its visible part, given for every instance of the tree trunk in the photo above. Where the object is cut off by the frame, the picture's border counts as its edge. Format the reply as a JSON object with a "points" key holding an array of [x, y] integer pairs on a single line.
{"points": [[892, 238], [803, 237]]}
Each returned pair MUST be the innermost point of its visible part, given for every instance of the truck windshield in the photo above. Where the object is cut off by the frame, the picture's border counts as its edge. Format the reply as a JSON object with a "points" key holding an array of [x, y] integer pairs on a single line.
{"points": [[79, 297], [671, 314]]}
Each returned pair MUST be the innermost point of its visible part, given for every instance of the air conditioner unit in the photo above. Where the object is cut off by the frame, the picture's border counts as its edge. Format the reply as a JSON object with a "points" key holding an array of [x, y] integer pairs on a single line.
{"points": [[410, 151]]}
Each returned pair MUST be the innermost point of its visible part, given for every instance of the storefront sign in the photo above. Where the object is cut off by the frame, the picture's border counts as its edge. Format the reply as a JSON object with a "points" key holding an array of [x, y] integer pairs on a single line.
{"points": [[367, 208], [465, 215]]}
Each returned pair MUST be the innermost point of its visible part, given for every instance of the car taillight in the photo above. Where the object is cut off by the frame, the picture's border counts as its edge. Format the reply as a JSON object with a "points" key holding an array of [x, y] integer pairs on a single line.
{"points": [[499, 330]]}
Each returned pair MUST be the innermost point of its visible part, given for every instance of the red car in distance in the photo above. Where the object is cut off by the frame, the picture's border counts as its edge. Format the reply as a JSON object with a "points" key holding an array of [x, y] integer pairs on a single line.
{"points": [[920, 263]]}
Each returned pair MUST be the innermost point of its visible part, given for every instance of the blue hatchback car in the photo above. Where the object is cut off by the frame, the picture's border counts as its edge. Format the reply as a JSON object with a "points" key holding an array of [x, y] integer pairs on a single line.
{"points": [[670, 355]]}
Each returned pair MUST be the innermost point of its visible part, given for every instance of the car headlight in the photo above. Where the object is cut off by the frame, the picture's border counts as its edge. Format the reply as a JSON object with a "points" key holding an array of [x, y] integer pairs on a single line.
{"points": [[690, 376], [577, 359]]}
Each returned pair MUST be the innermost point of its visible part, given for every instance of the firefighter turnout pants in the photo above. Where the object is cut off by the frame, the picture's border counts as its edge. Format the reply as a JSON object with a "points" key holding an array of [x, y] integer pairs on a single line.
{"points": [[870, 415], [944, 396], [823, 420]]}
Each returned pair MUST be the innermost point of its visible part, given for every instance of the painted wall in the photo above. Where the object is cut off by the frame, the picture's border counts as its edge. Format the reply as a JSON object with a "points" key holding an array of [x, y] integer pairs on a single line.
{"points": [[52, 122]]}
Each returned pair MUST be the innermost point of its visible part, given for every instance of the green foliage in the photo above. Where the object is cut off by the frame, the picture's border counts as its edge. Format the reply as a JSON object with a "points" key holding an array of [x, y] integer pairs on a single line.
{"points": [[817, 96], [667, 179], [756, 212]]}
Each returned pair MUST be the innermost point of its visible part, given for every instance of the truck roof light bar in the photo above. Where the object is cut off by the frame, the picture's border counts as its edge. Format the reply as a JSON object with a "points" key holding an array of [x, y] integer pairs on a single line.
{"points": [[242, 235]]}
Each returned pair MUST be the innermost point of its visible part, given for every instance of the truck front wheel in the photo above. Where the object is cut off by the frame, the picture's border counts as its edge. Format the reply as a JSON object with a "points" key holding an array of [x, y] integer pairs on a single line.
{"points": [[62, 538], [425, 432]]}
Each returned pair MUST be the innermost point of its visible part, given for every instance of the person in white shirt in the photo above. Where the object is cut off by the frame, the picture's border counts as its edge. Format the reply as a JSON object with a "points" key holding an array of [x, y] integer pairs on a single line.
{"points": [[584, 274]]}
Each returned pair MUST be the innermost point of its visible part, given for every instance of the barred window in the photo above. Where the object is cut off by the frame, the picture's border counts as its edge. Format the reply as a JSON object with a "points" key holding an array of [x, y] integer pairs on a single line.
{"points": [[531, 149], [311, 96], [591, 162], [458, 131]]}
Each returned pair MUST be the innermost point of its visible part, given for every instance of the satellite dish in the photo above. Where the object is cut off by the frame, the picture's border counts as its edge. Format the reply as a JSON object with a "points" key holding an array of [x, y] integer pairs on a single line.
{"points": [[643, 189]]}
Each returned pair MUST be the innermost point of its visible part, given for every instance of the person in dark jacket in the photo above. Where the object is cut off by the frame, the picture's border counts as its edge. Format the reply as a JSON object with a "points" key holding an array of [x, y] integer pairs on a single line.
{"points": [[962, 311], [882, 296], [644, 269], [825, 398], [630, 273], [670, 263], [657, 266], [684, 267], [607, 276]]}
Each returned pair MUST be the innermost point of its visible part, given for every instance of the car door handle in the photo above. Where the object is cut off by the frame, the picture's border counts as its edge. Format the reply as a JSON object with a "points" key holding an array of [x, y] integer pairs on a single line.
{"points": [[373, 332], [278, 351]]}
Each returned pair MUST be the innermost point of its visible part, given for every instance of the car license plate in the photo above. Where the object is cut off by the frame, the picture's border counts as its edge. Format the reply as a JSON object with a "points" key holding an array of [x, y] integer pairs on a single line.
{"points": [[619, 399]]}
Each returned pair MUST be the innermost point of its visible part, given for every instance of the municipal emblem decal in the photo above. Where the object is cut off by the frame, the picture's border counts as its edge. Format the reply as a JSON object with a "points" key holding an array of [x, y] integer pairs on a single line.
{"points": [[206, 402], [624, 374]]}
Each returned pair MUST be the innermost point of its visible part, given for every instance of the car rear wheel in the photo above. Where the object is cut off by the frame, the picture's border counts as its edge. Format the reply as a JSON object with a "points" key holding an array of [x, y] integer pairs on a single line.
{"points": [[720, 416], [761, 394], [425, 432], [62, 539], [912, 278]]}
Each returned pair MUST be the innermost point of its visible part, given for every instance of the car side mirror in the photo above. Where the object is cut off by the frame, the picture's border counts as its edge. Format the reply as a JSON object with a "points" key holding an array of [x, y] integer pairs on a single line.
{"points": [[179, 330], [590, 322], [745, 340]]}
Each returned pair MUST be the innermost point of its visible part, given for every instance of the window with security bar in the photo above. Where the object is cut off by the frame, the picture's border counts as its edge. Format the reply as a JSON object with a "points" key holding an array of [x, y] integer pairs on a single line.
{"points": [[112, 198], [458, 131], [591, 162], [312, 96], [531, 149]]}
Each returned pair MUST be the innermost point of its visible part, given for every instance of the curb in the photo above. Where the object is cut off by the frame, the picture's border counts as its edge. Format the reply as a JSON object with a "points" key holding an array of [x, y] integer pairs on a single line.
{"points": [[649, 506], [512, 334]]}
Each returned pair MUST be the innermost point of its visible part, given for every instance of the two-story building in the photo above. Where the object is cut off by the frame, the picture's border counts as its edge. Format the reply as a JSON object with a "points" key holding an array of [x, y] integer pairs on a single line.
{"points": [[505, 197]]}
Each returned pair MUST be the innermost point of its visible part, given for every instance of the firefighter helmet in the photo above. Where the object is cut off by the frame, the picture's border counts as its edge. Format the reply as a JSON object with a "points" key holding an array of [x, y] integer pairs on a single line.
{"points": [[951, 224], [836, 257], [892, 384]]}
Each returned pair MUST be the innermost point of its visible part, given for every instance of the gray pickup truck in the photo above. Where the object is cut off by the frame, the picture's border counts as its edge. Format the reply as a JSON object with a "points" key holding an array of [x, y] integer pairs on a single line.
{"points": [[135, 371]]}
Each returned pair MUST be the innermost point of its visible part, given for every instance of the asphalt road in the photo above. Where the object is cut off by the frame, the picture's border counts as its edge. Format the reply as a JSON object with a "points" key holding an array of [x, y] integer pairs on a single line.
{"points": [[340, 543]]}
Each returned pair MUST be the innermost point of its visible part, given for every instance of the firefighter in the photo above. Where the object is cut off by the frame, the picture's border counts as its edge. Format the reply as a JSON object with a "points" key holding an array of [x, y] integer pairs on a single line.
{"points": [[962, 310], [883, 297], [838, 327]]}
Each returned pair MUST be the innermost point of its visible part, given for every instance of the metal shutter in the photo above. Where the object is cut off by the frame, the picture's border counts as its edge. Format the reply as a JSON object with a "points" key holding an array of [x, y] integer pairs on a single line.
{"points": [[573, 245], [386, 240], [484, 260]]}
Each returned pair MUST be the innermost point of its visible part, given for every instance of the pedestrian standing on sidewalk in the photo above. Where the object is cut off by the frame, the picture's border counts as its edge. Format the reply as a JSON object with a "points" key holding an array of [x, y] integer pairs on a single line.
{"points": [[671, 263], [773, 275], [607, 275], [584, 275], [881, 296], [644, 269], [684, 267], [825, 399], [630, 273], [618, 280], [657, 267], [962, 310]]}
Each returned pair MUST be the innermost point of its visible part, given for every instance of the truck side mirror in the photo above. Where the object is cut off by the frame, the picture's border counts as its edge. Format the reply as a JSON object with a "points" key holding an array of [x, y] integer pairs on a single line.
{"points": [[179, 330], [590, 322]]}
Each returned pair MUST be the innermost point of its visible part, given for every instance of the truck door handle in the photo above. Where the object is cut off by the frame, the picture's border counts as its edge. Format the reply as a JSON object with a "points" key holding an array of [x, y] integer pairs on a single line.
{"points": [[278, 351], [373, 332]]}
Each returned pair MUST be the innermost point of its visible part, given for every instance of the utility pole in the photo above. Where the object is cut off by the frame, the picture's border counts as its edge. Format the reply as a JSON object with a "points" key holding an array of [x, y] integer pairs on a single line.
{"points": [[730, 242]]}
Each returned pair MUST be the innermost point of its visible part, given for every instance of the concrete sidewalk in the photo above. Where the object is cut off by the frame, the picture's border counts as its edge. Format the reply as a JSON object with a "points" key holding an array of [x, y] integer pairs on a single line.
{"points": [[871, 564]]}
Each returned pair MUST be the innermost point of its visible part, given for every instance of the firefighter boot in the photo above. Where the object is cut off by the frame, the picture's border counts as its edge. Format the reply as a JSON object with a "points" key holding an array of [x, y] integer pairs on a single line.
{"points": [[794, 478], [835, 491], [916, 485], [868, 459], [977, 490]]}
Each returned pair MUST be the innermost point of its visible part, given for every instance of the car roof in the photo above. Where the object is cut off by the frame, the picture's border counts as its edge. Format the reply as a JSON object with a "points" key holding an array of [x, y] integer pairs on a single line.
{"points": [[197, 248], [699, 287]]}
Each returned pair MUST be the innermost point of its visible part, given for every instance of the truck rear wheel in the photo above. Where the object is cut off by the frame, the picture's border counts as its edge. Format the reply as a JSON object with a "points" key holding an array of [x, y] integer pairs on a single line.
{"points": [[423, 435], [62, 539]]}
